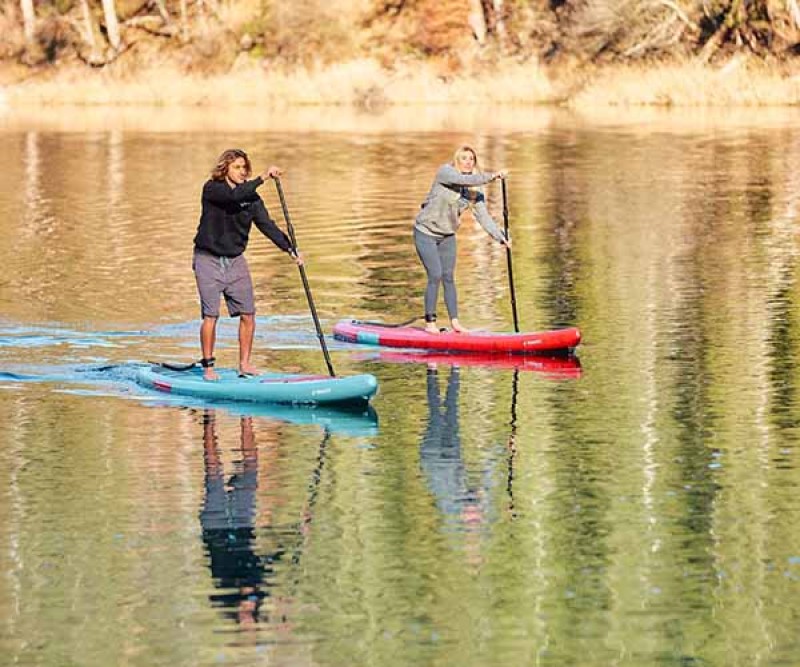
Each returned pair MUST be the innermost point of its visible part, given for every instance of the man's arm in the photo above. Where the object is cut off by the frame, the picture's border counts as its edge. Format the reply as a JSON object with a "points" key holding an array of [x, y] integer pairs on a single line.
{"points": [[268, 228], [220, 193]]}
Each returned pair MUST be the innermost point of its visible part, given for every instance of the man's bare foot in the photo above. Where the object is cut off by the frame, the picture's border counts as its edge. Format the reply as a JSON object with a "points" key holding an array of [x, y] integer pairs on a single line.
{"points": [[431, 328], [248, 371], [210, 374], [457, 327]]}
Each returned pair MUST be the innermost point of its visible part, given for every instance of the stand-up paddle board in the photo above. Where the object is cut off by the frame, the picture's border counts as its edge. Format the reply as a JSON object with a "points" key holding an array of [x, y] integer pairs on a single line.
{"points": [[558, 341], [264, 388]]}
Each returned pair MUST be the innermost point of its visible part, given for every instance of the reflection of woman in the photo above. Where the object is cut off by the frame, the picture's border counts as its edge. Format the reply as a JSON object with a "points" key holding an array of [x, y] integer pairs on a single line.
{"points": [[228, 522], [454, 189], [440, 452]]}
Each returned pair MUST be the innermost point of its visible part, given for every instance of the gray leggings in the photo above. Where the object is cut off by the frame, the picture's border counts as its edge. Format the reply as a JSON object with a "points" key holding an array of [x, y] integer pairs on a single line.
{"points": [[438, 256]]}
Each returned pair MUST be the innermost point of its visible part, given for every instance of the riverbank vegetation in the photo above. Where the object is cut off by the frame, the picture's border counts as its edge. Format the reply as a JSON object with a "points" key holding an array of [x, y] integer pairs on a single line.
{"points": [[374, 53]]}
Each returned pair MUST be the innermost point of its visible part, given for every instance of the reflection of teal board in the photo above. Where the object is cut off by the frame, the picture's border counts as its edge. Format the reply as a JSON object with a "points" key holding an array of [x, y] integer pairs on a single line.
{"points": [[265, 388], [355, 421]]}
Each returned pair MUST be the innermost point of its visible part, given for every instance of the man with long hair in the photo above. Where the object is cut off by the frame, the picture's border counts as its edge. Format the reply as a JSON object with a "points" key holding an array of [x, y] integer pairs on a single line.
{"points": [[230, 206]]}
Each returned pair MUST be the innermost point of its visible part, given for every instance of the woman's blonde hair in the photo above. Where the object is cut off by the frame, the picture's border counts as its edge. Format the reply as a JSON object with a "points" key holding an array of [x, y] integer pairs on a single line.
{"points": [[465, 149], [224, 161]]}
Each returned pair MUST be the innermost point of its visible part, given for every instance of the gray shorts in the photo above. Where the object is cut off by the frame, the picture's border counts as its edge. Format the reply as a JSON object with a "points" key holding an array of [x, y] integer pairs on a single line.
{"points": [[223, 276]]}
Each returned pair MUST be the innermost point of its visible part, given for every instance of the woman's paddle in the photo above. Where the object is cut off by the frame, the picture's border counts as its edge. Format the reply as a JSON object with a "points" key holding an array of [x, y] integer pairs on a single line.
{"points": [[508, 259], [290, 227], [512, 445]]}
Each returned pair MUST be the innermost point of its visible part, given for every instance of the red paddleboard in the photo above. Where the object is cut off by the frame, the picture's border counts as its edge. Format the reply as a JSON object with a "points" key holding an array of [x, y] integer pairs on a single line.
{"points": [[558, 341]]}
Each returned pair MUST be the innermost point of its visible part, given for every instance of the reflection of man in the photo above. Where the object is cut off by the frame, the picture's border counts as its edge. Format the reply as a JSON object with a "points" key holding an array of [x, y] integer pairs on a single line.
{"points": [[440, 452], [228, 522]]}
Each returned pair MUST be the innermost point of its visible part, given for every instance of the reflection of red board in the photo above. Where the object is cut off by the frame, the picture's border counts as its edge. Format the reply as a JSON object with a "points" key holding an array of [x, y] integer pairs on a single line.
{"points": [[558, 341], [562, 367]]}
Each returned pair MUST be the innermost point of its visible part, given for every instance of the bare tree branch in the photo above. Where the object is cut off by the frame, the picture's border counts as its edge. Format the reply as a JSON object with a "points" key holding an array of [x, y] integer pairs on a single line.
{"points": [[794, 12], [184, 22], [681, 14], [88, 27], [112, 24], [28, 20], [477, 21], [499, 20]]}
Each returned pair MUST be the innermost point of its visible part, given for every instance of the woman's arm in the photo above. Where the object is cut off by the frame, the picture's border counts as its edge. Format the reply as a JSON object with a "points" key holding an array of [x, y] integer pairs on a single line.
{"points": [[485, 220], [449, 175]]}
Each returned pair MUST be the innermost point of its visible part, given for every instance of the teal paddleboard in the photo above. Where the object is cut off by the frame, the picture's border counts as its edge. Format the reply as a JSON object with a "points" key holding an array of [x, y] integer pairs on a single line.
{"points": [[302, 389]]}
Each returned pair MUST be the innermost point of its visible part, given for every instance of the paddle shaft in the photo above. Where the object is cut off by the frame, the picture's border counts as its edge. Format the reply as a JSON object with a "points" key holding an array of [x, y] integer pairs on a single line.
{"points": [[306, 287], [512, 444], [508, 259], [308, 511]]}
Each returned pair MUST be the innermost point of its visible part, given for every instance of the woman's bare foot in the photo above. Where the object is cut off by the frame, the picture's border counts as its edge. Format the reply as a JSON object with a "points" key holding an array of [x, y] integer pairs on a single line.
{"points": [[431, 328], [210, 374], [457, 327]]}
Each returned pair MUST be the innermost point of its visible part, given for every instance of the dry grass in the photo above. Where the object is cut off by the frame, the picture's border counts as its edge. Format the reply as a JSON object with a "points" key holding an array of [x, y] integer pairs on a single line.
{"points": [[392, 120], [237, 15], [365, 84], [395, 120], [505, 84], [361, 83], [739, 83]]}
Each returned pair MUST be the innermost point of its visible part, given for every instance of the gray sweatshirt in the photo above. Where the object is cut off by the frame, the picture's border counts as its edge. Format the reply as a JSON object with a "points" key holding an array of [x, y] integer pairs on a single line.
{"points": [[448, 197]]}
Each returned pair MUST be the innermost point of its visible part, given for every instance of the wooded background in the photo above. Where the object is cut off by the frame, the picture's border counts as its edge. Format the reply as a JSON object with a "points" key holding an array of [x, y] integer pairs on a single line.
{"points": [[212, 35]]}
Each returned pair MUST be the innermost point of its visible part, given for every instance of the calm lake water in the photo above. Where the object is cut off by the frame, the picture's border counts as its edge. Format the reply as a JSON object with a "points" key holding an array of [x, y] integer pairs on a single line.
{"points": [[639, 506]]}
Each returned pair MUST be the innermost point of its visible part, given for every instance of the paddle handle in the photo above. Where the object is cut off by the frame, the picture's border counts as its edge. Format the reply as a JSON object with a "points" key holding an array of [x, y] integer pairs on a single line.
{"points": [[508, 258], [306, 286]]}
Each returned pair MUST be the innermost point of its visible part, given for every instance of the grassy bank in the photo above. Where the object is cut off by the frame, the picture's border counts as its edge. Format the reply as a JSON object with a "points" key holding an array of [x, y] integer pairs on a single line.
{"points": [[364, 84], [376, 54], [361, 83]]}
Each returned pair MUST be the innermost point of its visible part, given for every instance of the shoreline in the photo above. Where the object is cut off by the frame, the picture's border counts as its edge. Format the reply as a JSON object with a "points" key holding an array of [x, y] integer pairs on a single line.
{"points": [[361, 97], [474, 120], [364, 85]]}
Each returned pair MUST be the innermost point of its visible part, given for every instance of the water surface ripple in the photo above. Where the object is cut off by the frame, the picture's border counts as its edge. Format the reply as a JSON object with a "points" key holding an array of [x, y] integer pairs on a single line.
{"points": [[638, 507]]}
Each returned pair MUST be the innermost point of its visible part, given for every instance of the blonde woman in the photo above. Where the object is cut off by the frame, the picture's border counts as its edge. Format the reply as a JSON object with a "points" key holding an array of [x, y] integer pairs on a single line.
{"points": [[455, 188]]}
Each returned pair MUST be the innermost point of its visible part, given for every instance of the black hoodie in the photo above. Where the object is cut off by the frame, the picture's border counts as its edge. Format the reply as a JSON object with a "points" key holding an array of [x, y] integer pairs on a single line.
{"points": [[226, 217]]}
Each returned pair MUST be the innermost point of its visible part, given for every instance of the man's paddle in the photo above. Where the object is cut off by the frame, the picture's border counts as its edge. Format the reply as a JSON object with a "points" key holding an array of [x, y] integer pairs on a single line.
{"points": [[290, 227], [508, 259]]}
